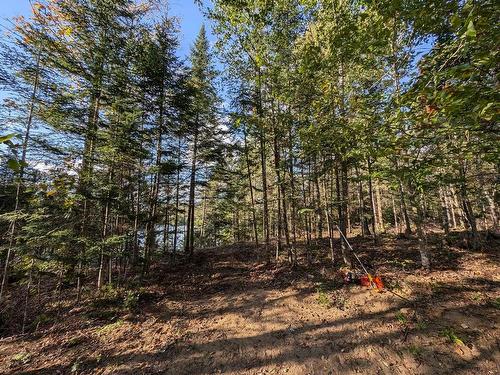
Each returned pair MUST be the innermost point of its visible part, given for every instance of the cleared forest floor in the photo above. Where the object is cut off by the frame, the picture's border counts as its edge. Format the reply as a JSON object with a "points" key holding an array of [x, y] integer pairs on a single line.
{"points": [[231, 313]]}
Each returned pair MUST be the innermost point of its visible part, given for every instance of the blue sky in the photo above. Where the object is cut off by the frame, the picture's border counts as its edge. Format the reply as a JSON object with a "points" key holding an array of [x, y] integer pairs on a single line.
{"points": [[188, 13]]}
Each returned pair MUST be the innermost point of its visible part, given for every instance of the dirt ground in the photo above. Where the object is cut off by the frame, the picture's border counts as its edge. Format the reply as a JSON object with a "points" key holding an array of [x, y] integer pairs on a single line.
{"points": [[232, 313]]}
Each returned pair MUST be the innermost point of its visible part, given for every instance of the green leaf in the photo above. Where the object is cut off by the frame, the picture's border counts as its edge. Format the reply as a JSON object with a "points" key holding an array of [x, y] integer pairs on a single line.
{"points": [[486, 114], [471, 31], [8, 137], [455, 21], [14, 165]]}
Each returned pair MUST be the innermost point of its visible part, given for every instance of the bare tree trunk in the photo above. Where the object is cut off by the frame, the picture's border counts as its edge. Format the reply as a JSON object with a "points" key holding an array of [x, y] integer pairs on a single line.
{"points": [[166, 224], [282, 224], [447, 205], [192, 188], [307, 227], [293, 201], [318, 210], [372, 200], [363, 221], [104, 235], [470, 219], [395, 215], [177, 193], [380, 216], [26, 299], [329, 224], [444, 212], [422, 246], [204, 215], [457, 210], [264, 191], [79, 282], [493, 210], [150, 245], [341, 184], [262, 137], [346, 254], [250, 187], [405, 210]]}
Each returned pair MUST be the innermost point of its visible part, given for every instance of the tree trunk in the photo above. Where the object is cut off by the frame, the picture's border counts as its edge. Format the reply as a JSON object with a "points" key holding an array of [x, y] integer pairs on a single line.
{"points": [[204, 216], [470, 219], [150, 245], [293, 201], [104, 235], [363, 221], [405, 210], [264, 191], [189, 245], [346, 254], [166, 224], [329, 224], [250, 187], [395, 215], [380, 215], [26, 299], [177, 193], [318, 209], [372, 201], [444, 212], [422, 246], [341, 185]]}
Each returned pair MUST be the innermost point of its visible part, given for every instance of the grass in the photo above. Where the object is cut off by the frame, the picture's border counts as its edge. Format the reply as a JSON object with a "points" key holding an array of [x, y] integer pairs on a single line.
{"points": [[421, 325], [131, 300], [415, 351], [22, 358], [495, 303], [401, 318], [323, 289], [323, 298], [109, 328], [451, 336]]}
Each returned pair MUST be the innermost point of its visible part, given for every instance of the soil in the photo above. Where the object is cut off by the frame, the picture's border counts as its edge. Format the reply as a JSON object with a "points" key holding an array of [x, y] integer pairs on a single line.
{"points": [[231, 312]]}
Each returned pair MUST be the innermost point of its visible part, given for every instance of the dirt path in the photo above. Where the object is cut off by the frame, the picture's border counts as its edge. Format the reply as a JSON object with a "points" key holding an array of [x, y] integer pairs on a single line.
{"points": [[231, 314]]}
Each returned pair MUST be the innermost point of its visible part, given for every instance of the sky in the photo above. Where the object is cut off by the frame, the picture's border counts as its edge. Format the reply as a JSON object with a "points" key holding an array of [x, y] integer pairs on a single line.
{"points": [[189, 15]]}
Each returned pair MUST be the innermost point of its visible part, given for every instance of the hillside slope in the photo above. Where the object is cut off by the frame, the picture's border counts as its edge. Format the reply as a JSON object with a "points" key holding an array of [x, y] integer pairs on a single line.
{"points": [[231, 313]]}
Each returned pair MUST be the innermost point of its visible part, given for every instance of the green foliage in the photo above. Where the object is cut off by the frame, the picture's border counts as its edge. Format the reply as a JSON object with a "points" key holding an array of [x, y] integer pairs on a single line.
{"points": [[401, 317], [451, 336], [416, 351], [107, 304], [104, 330], [323, 298], [22, 358], [326, 292], [421, 325], [16, 165], [131, 300], [495, 303], [7, 137]]}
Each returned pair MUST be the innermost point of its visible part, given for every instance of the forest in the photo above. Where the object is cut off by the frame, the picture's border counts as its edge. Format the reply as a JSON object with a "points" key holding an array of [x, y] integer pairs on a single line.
{"points": [[216, 213]]}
